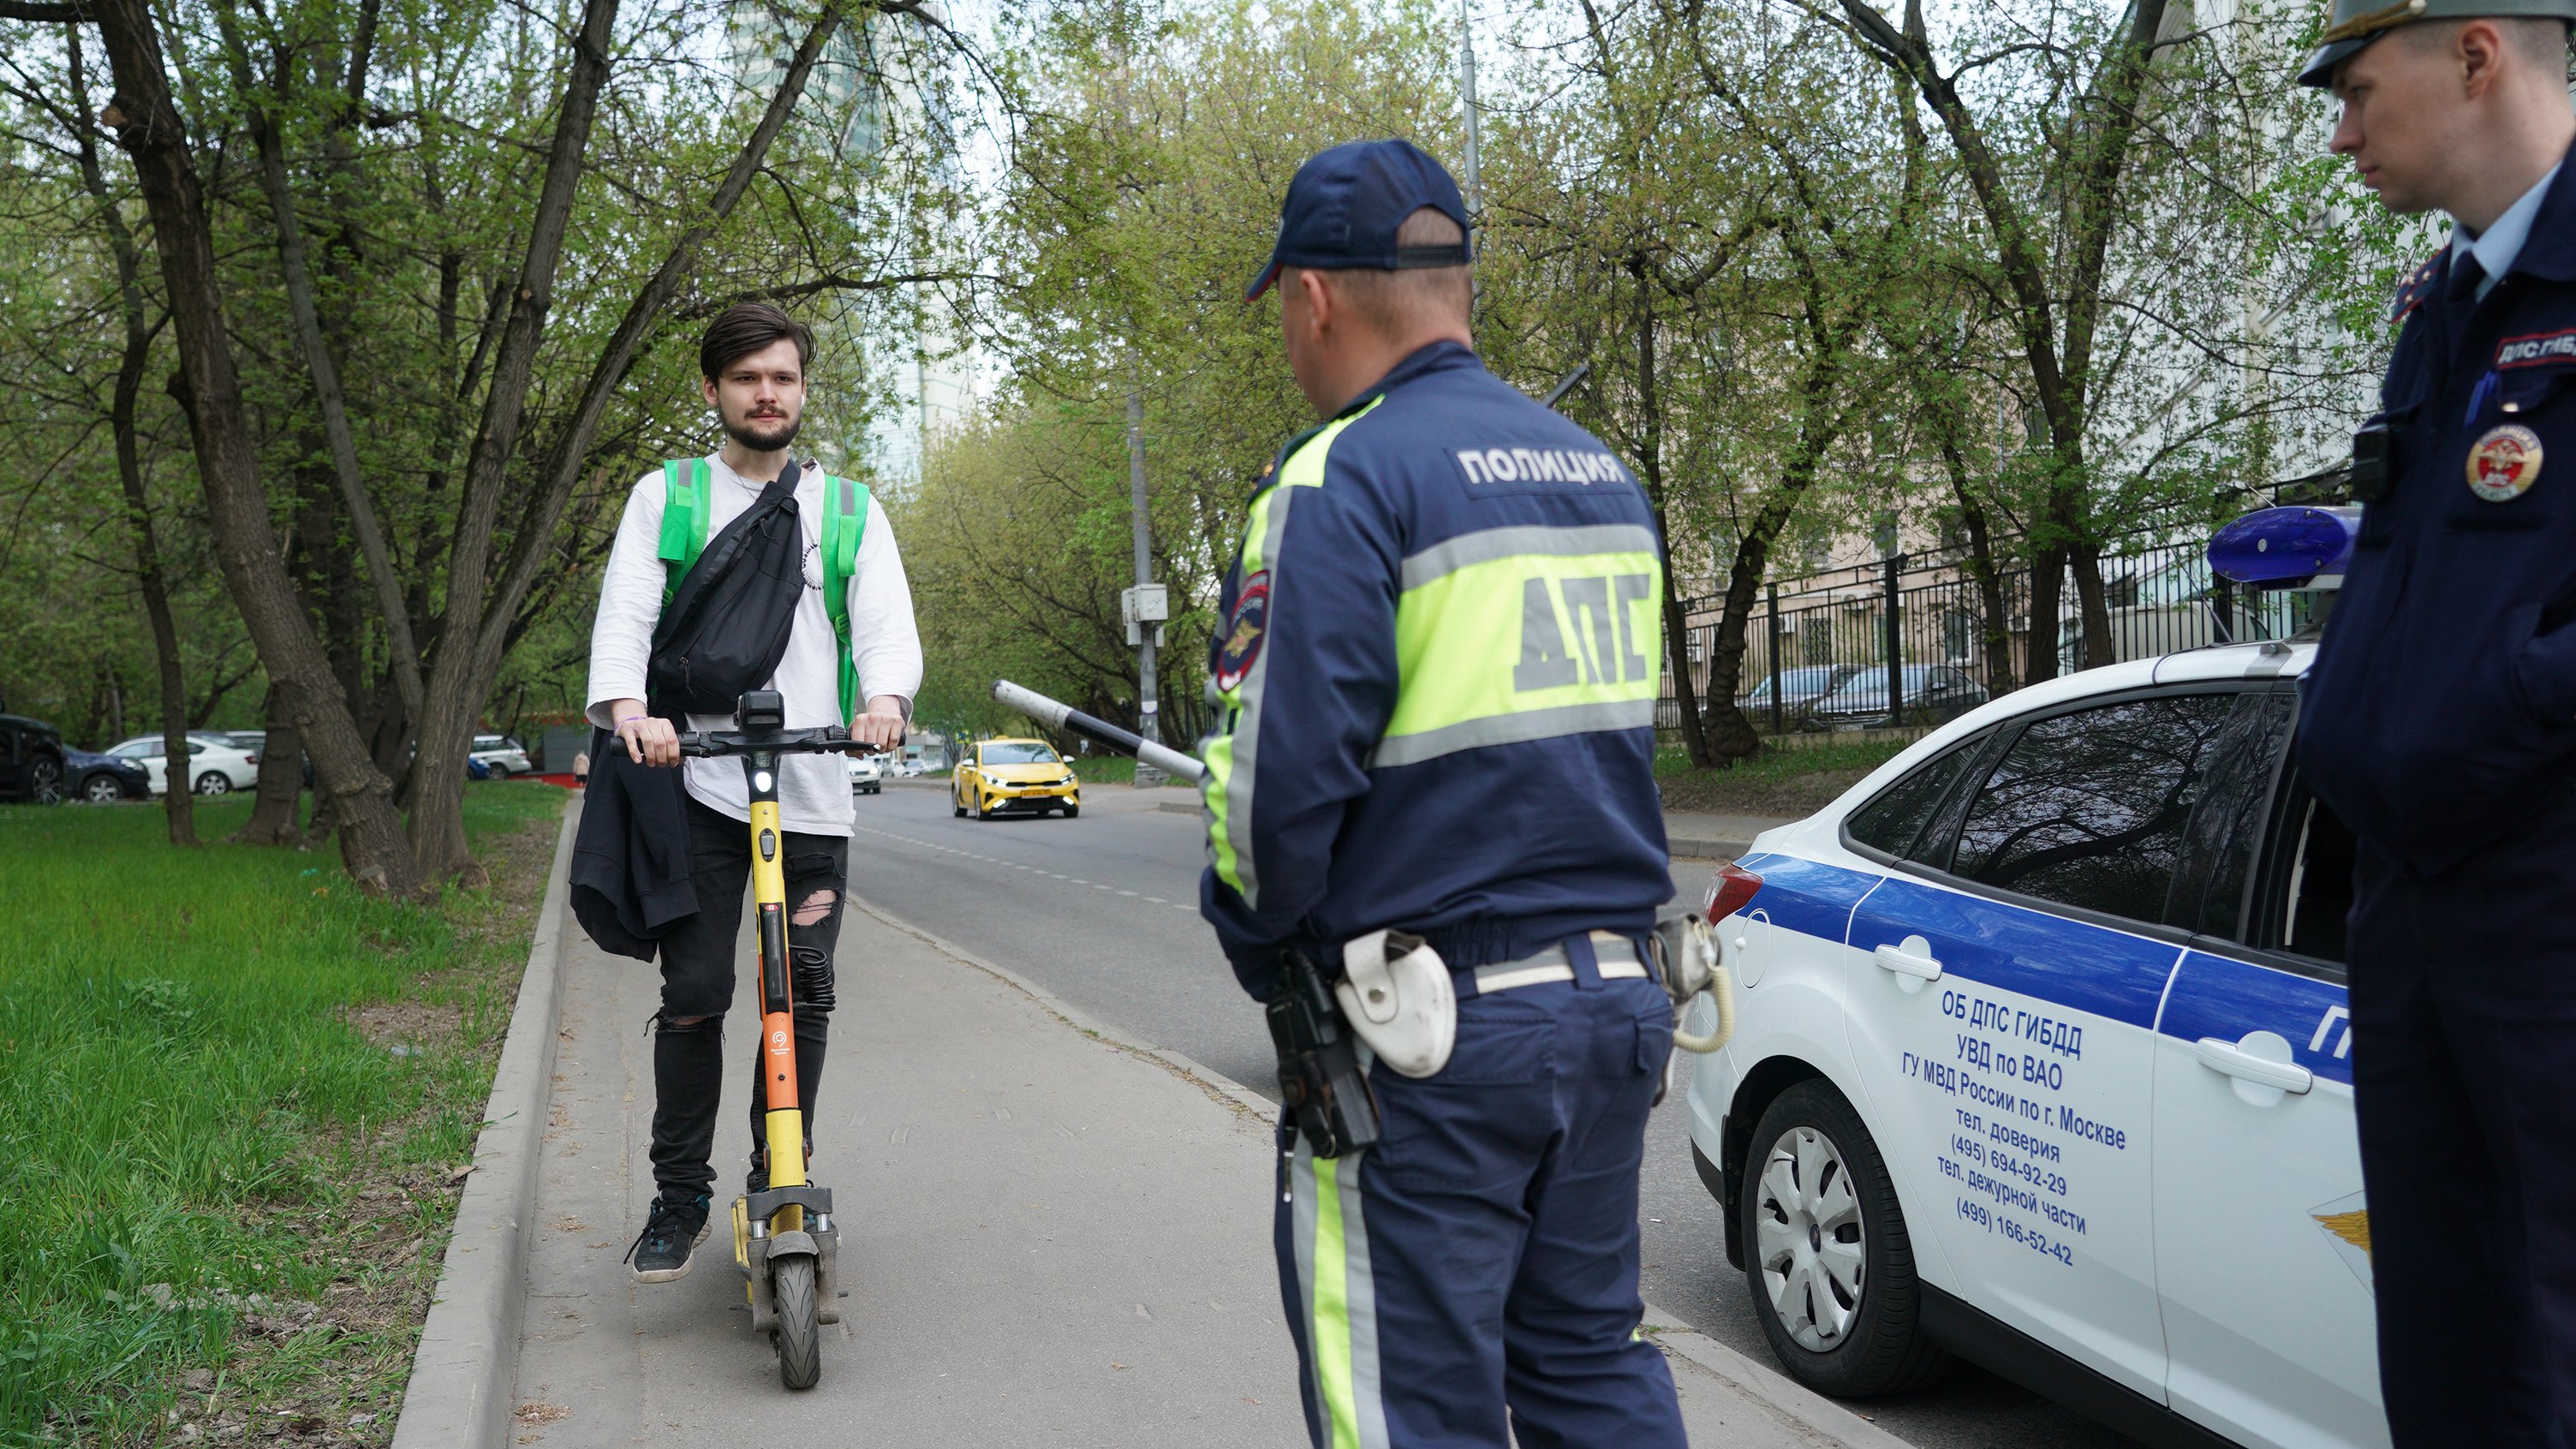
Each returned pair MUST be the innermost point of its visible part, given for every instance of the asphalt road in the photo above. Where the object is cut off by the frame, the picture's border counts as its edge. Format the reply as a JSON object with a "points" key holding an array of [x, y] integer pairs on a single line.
{"points": [[1103, 911]]}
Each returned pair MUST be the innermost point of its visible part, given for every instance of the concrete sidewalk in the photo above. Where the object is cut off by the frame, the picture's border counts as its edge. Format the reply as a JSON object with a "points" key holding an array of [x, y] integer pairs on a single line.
{"points": [[1049, 1237]]}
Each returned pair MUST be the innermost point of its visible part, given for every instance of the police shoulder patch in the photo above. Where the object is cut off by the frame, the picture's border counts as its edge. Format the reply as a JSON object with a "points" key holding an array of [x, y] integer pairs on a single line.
{"points": [[1245, 628], [2417, 286]]}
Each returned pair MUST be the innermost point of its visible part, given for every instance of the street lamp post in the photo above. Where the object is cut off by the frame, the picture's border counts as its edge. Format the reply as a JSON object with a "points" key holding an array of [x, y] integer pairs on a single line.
{"points": [[1143, 607]]}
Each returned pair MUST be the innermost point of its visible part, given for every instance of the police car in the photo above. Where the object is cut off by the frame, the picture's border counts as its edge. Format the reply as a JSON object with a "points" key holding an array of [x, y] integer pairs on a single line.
{"points": [[2042, 1060]]}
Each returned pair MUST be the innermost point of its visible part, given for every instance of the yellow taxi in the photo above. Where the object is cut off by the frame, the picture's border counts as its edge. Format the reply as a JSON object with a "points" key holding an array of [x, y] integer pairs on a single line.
{"points": [[998, 777]]}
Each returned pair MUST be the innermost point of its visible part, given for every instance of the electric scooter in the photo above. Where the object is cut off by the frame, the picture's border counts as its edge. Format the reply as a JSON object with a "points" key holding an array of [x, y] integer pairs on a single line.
{"points": [[783, 1238]]}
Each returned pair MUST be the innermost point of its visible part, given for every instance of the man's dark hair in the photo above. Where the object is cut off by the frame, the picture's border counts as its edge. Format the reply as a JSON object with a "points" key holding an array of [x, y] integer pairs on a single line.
{"points": [[743, 329]]}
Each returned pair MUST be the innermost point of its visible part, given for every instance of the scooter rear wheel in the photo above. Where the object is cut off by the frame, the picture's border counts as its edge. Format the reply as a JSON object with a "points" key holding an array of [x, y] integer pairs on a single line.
{"points": [[799, 1335]]}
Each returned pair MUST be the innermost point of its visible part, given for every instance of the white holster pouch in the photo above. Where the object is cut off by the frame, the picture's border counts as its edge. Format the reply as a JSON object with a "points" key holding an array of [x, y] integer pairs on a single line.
{"points": [[1395, 989], [1686, 950]]}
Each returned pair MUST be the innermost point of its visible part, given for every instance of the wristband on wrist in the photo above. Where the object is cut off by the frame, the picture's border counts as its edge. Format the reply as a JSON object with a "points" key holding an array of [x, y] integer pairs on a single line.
{"points": [[632, 718]]}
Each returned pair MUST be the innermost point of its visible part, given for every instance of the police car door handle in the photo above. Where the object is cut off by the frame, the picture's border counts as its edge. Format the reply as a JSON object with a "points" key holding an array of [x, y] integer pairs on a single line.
{"points": [[1909, 958], [2235, 1061]]}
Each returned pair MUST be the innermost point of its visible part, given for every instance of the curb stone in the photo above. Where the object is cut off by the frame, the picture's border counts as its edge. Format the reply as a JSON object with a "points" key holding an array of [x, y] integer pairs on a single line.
{"points": [[1834, 1423], [464, 1375], [1830, 1422]]}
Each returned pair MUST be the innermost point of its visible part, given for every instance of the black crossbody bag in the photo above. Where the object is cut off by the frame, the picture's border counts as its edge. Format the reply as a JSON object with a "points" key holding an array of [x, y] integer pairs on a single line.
{"points": [[727, 624]]}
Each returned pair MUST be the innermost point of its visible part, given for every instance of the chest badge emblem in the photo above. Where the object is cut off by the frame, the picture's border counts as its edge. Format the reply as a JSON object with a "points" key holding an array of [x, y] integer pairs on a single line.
{"points": [[2504, 462]]}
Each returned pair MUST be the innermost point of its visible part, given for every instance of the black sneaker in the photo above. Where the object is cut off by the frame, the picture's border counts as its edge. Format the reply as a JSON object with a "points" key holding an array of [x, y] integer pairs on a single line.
{"points": [[672, 1229], [756, 1180]]}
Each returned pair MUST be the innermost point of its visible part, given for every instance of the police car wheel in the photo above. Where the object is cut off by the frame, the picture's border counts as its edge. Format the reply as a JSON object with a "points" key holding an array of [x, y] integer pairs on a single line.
{"points": [[1826, 1253]]}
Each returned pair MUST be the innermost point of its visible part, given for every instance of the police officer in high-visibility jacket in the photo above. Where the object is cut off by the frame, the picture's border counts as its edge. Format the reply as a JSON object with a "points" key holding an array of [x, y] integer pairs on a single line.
{"points": [[1434, 684], [2439, 720]]}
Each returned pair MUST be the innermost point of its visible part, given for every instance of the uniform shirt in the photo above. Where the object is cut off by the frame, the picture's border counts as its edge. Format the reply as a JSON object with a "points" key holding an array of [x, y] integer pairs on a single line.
{"points": [[2497, 246], [813, 790], [1434, 684], [2440, 715]]}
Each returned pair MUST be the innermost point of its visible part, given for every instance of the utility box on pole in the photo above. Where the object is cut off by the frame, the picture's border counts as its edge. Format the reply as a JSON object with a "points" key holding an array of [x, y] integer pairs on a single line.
{"points": [[1142, 607]]}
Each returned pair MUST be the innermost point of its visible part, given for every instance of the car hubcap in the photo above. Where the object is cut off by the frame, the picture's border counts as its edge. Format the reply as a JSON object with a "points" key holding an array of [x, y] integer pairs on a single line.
{"points": [[102, 791], [1812, 1244]]}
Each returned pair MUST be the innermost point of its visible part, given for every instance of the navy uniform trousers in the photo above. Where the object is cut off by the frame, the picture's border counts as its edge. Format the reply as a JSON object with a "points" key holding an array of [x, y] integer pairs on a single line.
{"points": [[1484, 1253], [2463, 992]]}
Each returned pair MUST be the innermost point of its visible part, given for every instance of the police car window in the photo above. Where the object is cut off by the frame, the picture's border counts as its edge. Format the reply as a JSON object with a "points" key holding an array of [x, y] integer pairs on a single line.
{"points": [[1893, 820], [2310, 892], [2088, 808], [2227, 831]]}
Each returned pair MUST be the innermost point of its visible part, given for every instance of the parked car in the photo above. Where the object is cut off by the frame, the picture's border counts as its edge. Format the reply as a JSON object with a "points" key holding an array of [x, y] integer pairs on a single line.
{"points": [[216, 766], [504, 755], [1933, 693], [256, 741], [103, 779], [1000, 776], [2043, 1059], [1799, 689], [867, 774], [911, 768], [31, 760]]}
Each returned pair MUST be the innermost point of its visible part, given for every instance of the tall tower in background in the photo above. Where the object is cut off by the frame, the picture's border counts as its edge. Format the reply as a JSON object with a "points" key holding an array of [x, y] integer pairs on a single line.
{"points": [[874, 89]]}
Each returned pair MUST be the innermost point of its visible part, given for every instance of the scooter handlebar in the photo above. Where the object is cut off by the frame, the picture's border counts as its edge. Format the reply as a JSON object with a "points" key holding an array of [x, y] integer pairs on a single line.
{"points": [[830, 739]]}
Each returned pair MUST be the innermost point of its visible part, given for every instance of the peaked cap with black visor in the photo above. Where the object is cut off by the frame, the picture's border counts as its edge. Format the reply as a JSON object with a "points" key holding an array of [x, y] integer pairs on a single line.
{"points": [[2354, 24], [1346, 205]]}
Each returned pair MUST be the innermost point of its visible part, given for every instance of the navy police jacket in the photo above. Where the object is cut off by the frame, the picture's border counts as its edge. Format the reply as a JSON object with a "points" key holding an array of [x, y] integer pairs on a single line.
{"points": [[1434, 684], [2440, 715]]}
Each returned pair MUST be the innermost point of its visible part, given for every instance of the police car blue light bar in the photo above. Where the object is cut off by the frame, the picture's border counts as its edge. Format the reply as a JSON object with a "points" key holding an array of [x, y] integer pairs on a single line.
{"points": [[2285, 548]]}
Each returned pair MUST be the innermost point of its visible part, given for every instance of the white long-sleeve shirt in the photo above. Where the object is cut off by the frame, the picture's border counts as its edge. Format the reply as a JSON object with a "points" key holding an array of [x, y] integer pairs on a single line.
{"points": [[813, 790]]}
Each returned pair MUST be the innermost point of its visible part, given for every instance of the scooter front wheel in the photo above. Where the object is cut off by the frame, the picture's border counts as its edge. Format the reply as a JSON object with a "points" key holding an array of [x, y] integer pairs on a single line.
{"points": [[799, 1334]]}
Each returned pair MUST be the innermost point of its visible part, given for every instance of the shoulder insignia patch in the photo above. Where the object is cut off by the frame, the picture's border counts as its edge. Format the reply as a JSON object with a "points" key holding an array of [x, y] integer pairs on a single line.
{"points": [[1244, 631], [2417, 286]]}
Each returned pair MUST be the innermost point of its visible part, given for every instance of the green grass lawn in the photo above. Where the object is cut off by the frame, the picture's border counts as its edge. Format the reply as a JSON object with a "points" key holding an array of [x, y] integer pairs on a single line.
{"points": [[1784, 782], [212, 1063]]}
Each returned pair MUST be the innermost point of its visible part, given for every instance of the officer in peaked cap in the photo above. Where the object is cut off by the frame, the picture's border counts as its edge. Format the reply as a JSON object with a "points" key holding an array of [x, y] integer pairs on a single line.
{"points": [[1445, 593], [2439, 721]]}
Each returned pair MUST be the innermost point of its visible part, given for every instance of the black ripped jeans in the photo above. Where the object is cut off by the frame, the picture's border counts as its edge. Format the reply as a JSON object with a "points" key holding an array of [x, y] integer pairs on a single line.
{"points": [[698, 986]]}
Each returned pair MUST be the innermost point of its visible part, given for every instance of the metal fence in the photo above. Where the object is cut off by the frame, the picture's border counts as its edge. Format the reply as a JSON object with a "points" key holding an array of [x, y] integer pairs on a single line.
{"points": [[1824, 652]]}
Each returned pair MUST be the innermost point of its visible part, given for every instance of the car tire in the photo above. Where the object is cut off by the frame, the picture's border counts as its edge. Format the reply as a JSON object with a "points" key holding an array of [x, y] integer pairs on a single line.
{"points": [[214, 782], [956, 807], [1816, 1177], [102, 789], [1070, 811], [45, 780]]}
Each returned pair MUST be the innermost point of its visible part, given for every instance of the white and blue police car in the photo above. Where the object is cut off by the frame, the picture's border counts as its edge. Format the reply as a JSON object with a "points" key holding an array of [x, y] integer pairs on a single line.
{"points": [[2042, 1056]]}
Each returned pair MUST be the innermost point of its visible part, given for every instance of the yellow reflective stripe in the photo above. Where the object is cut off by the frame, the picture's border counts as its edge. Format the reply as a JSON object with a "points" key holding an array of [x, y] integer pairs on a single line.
{"points": [[1226, 789], [1332, 1313], [1526, 634]]}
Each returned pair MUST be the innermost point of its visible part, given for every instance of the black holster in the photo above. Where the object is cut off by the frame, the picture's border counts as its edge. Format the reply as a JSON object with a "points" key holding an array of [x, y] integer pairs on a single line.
{"points": [[1320, 1081]]}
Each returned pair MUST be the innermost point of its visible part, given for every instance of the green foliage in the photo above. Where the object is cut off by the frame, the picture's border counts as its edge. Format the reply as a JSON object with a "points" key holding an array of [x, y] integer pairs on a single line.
{"points": [[179, 1072]]}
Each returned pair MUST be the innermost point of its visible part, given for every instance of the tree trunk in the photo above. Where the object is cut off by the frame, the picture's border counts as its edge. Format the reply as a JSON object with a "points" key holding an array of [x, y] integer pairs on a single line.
{"points": [[451, 707], [2090, 606], [1994, 622], [325, 374], [148, 126], [474, 633], [1650, 466], [281, 781], [2047, 597], [181, 800]]}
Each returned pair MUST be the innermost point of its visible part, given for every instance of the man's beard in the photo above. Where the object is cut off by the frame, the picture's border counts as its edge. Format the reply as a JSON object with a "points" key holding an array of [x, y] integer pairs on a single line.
{"points": [[751, 435]]}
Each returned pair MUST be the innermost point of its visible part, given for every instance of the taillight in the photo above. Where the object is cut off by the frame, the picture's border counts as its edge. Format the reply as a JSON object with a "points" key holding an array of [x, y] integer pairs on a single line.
{"points": [[254, 756], [1729, 891]]}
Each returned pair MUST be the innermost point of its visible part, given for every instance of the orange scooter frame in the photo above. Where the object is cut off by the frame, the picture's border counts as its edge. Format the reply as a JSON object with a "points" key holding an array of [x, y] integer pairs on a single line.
{"points": [[783, 1237]]}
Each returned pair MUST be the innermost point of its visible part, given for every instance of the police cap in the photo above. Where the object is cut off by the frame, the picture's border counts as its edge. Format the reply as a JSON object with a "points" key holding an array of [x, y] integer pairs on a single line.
{"points": [[1345, 205], [2356, 23]]}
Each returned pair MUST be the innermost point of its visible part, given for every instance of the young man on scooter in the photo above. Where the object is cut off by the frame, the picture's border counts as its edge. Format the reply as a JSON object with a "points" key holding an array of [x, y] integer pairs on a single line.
{"points": [[753, 358]]}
